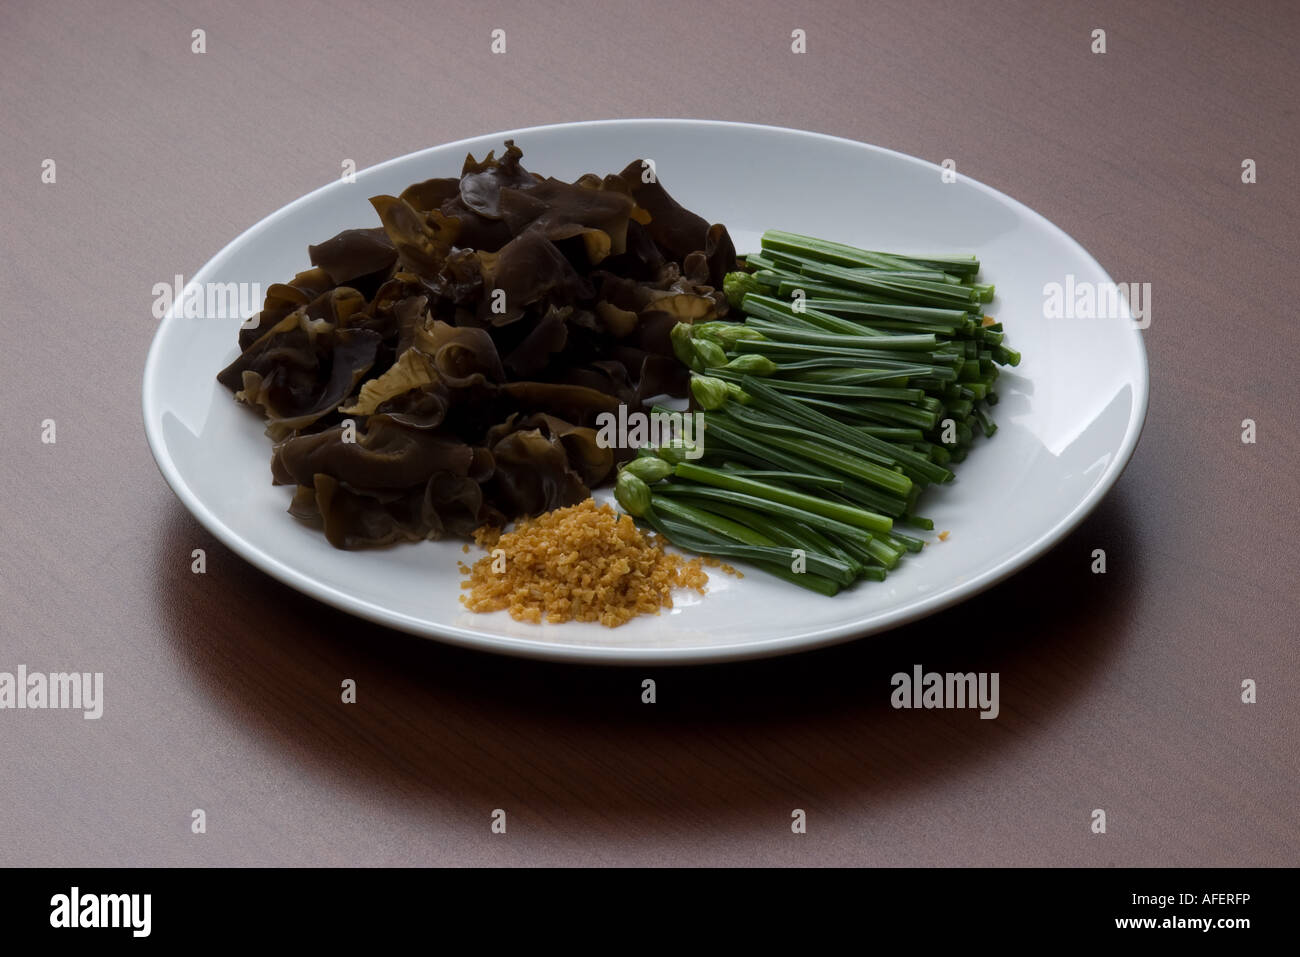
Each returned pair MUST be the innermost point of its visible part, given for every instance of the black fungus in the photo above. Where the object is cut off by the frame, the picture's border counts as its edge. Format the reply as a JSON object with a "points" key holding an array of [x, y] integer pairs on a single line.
{"points": [[445, 369]]}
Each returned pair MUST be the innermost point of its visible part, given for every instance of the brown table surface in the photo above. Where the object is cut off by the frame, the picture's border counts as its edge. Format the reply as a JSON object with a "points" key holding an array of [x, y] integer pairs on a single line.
{"points": [[1119, 691]]}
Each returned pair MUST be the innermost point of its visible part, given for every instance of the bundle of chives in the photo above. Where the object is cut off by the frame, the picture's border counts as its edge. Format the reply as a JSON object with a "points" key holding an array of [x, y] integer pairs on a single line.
{"points": [[854, 382]]}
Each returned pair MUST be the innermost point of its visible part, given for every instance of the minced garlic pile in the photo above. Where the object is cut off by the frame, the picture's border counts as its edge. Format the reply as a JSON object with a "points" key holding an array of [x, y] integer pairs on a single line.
{"points": [[582, 563]]}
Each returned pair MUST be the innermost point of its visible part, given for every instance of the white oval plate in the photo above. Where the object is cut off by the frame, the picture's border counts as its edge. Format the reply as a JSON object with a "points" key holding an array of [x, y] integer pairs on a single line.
{"points": [[1069, 416]]}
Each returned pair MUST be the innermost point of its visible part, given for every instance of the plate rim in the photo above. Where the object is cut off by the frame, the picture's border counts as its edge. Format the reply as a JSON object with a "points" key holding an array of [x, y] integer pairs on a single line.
{"points": [[613, 654]]}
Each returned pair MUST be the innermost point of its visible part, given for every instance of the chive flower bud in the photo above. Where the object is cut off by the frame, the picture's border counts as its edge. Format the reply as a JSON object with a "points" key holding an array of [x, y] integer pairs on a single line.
{"points": [[632, 494], [683, 344], [709, 392], [736, 284], [678, 451], [751, 363], [649, 469], [726, 334], [709, 354]]}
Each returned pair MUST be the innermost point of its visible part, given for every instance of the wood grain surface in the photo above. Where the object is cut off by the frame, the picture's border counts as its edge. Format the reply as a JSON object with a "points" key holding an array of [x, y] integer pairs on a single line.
{"points": [[1119, 691]]}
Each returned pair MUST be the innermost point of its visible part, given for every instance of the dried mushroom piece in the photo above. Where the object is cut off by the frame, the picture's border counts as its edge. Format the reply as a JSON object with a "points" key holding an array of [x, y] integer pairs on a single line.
{"points": [[533, 474], [301, 371], [385, 455], [422, 239], [676, 230], [412, 370], [284, 298], [353, 254], [481, 183], [527, 270]]}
